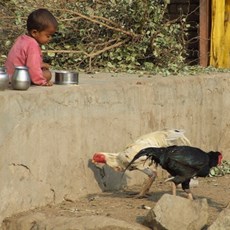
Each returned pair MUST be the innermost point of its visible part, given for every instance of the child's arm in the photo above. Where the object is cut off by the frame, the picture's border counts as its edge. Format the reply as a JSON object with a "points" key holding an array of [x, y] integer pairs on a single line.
{"points": [[35, 65]]}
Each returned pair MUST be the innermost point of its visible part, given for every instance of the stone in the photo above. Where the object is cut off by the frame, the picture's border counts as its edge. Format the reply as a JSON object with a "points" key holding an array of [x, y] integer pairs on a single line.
{"points": [[40, 221], [174, 212], [223, 220]]}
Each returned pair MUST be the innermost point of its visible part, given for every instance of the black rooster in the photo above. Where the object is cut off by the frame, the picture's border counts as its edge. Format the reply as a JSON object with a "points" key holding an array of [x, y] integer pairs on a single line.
{"points": [[182, 163]]}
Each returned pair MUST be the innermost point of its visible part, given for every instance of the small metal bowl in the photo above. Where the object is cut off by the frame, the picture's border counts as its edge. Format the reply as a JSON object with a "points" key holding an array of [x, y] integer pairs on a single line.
{"points": [[66, 78]]}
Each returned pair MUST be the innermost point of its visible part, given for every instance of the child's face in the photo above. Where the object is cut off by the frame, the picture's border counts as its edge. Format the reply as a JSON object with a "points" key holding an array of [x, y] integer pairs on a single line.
{"points": [[43, 37]]}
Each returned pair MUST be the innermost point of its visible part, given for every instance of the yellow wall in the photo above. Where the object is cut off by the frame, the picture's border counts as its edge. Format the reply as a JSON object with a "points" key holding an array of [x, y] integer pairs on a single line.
{"points": [[220, 34]]}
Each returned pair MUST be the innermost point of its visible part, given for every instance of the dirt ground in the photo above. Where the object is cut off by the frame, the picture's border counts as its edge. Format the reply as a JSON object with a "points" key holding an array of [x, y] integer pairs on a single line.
{"points": [[122, 204]]}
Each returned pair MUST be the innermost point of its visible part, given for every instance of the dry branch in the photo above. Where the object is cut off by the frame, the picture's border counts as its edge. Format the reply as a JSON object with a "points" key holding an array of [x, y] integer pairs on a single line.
{"points": [[91, 19], [109, 48], [91, 55], [105, 19], [65, 51]]}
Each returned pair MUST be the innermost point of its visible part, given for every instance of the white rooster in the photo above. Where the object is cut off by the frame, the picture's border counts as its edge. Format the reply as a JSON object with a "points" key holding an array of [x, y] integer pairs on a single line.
{"points": [[119, 161]]}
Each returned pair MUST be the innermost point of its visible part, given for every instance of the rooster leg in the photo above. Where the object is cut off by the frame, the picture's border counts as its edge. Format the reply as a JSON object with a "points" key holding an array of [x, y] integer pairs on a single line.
{"points": [[169, 179], [173, 185], [147, 184], [190, 196], [173, 189], [186, 188]]}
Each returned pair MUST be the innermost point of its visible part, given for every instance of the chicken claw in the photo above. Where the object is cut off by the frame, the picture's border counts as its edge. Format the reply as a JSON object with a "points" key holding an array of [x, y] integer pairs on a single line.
{"points": [[189, 194]]}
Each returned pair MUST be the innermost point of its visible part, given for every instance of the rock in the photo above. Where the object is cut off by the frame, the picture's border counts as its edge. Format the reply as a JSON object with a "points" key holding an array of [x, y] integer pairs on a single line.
{"points": [[223, 220], [194, 183], [40, 221], [174, 212]]}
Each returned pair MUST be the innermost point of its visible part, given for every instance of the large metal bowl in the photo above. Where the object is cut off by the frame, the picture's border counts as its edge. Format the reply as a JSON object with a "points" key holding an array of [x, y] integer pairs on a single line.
{"points": [[66, 78]]}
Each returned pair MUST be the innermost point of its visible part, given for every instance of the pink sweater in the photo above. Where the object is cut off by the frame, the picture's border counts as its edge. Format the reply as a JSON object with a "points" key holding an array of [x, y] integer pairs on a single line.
{"points": [[26, 52]]}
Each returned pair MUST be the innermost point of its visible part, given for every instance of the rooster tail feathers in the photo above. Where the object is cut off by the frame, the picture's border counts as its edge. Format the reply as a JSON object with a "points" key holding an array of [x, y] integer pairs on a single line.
{"points": [[144, 152], [138, 155], [153, 153]]}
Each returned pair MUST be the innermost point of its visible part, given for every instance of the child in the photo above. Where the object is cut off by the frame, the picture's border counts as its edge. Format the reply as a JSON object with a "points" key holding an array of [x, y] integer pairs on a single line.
{"points": [[26, 51]]}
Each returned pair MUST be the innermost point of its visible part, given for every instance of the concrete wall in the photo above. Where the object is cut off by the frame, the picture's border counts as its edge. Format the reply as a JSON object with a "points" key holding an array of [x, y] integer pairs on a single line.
{"points": [[48, 134]]}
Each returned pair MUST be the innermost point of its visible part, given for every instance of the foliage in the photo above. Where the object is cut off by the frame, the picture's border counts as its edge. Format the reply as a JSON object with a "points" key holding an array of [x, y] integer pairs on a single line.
{"points": [[113, 35], [220, 170]]}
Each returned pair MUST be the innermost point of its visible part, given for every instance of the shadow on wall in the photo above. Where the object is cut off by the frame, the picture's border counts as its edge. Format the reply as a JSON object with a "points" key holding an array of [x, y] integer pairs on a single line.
{"points": [[107, 178]]}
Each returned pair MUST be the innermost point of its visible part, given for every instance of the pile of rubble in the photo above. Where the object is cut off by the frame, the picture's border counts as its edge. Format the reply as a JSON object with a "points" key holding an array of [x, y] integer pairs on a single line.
{"points": [[169, 213]]}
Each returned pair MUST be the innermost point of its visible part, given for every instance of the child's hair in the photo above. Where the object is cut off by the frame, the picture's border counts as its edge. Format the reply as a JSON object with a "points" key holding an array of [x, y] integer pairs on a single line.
{"points": [[40, 20]]}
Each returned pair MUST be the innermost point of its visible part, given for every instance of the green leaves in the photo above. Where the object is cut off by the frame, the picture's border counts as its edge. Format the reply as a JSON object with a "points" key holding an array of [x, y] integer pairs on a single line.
{"points": [[221, 170]]}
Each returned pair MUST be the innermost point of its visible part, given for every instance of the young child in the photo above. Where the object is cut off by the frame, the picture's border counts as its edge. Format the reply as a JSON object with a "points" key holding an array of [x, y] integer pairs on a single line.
{"points": [[26, 51]]}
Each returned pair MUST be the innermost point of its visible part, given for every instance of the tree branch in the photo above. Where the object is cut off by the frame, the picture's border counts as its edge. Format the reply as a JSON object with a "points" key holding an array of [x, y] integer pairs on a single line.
{"points": [[91, 19], [90, 55]]}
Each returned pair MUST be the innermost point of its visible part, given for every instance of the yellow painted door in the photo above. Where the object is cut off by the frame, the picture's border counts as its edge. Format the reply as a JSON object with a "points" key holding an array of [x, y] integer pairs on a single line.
{"points": [[220, 34]]}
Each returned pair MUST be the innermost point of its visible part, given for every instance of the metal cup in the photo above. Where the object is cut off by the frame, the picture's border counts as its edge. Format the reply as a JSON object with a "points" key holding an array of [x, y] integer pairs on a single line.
{"points": [[21, 78], [4, 79]]}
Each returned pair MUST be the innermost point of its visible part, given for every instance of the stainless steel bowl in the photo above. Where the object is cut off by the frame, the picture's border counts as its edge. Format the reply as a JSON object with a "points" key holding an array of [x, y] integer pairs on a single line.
{"points": [[66, 78]]}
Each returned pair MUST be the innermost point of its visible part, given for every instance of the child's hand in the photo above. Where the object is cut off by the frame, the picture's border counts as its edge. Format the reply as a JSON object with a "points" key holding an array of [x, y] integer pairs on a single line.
{"points": [[47, 75]]}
